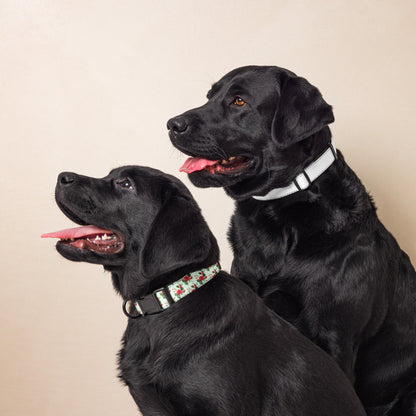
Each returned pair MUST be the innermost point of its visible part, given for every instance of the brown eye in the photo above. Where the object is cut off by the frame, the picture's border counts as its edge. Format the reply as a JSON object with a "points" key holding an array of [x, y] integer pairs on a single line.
{"points": [[125, 183], [239, 101]]}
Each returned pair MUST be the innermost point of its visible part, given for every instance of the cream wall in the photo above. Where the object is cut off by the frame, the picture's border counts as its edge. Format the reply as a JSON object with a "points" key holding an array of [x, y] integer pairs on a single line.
{"points": [[89, 85]]}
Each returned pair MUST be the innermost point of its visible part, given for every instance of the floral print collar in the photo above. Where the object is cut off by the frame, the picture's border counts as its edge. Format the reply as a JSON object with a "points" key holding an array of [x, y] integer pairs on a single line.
{"points": [[162, 298]]}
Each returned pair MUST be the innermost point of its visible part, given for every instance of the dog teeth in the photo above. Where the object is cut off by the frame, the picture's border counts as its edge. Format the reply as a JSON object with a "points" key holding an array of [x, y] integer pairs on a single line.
{"points": [[228, 161], [100, 238]]}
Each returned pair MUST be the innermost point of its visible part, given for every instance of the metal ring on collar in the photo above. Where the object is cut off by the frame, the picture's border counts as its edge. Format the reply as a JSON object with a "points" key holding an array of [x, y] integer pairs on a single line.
{"points": [[126, 311]]}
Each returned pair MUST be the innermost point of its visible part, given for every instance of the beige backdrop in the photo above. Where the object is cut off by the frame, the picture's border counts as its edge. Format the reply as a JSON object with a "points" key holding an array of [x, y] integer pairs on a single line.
{"points": [[89, 85]]}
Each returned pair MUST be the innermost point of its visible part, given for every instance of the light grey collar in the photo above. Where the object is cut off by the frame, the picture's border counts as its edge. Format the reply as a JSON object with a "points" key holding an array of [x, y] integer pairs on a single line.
{"points": [[304, 179]]}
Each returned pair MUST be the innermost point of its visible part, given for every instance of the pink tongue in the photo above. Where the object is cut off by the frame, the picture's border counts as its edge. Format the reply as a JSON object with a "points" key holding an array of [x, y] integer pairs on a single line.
{"points": [[77, 232], [194, 164]]}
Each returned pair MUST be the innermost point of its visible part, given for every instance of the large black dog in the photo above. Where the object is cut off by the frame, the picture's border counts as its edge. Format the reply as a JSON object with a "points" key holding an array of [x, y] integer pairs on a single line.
{"points": [[217, 349], [305, 233]]}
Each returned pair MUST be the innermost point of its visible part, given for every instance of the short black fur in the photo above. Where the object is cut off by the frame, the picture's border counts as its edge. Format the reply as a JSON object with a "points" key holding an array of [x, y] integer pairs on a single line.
{"points": [[219, 350], [320, 258]]}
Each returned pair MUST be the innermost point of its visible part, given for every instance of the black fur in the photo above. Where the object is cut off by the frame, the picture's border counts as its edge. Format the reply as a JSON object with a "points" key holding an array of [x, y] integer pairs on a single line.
{"points": [[320, 258], [219, 350]]}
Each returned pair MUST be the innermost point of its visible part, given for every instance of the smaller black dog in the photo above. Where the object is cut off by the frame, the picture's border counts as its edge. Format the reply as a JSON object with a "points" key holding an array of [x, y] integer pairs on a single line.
{"points": [[203, 343]]}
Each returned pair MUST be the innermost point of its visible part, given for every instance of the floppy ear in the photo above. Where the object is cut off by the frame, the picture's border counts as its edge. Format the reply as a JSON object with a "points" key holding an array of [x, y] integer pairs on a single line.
{"points": [[301, 112], [179, 236]]}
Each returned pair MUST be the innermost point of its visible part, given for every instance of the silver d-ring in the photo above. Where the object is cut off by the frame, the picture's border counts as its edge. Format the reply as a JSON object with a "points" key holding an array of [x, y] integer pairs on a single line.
{"points": [[126, 311]]}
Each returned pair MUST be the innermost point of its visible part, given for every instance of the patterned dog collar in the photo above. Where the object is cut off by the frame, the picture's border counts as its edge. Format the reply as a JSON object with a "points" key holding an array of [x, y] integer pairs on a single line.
{"points": [[164, 297]]}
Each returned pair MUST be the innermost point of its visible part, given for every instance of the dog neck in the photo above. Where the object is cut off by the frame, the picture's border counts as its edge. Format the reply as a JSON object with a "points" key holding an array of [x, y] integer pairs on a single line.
{"points": [[164, 297], [306, 177]]}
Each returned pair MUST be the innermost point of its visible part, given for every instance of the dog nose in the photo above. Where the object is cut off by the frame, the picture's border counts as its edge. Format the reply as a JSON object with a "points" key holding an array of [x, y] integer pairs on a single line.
{"points": [[177, 125], [66, 178]]}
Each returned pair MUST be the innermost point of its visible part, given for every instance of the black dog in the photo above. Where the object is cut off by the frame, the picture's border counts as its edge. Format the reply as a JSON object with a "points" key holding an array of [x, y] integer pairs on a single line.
{"points": [[305, 233], [217, 351]]}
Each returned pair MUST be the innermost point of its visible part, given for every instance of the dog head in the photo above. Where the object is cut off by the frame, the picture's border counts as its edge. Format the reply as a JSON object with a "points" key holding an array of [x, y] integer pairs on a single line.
{"points": [[251, 134], [139, 223]]}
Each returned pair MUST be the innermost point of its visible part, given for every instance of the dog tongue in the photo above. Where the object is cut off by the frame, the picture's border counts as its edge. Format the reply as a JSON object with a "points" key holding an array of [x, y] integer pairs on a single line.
{"points": [[76, 232], [194, 164]]}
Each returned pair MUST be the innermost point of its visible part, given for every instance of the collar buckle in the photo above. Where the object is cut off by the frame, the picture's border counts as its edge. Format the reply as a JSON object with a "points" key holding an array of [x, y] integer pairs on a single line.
{"points": [[147, 305], [302, 181]]}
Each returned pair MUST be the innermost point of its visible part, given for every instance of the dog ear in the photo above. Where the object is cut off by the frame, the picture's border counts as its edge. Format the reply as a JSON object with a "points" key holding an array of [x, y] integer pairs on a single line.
{"points": [[179, 236], [301, 112]]}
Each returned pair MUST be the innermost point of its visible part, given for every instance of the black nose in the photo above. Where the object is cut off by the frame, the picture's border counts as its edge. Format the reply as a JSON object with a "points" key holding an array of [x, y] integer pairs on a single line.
{"points": [[66, 178], [177, 125]]}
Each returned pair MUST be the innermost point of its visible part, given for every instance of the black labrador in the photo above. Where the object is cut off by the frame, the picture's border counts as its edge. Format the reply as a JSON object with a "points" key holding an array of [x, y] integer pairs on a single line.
{"points": [[194, 349], [305, 233]]}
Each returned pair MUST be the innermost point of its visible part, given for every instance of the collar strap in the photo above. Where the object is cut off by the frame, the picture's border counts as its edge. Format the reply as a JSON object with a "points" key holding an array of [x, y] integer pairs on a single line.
{"points": [[164, 297], [305, 178]]}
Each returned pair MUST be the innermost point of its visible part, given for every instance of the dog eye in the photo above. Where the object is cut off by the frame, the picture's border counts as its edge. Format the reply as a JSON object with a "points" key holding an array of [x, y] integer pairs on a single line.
{"points": [[239, 101], [125, 183]]}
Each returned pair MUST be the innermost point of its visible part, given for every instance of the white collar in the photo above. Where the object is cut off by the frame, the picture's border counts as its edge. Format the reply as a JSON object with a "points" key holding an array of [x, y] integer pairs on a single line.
{"points": [[304, 179]]}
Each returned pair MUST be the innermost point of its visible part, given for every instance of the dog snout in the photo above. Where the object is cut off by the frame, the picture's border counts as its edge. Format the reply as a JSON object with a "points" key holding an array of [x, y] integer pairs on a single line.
{"points": [[66, 178], [177, 125]]}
